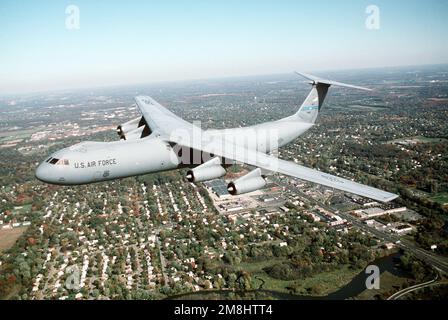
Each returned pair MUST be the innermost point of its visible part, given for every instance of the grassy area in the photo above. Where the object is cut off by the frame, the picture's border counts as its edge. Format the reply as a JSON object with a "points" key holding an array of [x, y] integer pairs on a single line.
{"points": [[24, 209], [257, 267], [389, 284], [366, 107], [319, 284], [9, 237], [430, 140], [440, 198], [18, 134], [420, 139]]}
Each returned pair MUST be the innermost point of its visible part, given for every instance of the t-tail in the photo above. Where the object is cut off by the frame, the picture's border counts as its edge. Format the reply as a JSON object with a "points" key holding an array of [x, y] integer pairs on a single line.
{"points": [[310, 108]]}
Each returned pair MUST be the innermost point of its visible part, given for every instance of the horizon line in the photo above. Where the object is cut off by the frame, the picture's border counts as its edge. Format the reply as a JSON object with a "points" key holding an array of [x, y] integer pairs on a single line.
{"points": [[155, 82]]}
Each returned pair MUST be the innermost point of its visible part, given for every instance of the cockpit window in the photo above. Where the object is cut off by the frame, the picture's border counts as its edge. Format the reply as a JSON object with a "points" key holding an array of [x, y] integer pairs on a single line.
{"points": [[59, 162], [48, 159]]}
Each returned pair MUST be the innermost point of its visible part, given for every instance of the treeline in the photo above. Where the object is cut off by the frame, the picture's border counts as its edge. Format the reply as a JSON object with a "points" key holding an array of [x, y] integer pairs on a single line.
{"points": [[418, 269], [310, 254]]}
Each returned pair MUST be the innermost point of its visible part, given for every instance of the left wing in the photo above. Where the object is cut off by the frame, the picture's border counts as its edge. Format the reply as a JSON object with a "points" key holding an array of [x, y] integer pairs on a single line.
{"points": [[228, 150], [160, 119]]}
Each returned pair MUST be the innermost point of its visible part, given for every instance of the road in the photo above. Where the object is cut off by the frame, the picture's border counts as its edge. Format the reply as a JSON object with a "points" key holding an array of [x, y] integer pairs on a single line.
{"points": [[162, 260], [438, 262], [401, 293]]}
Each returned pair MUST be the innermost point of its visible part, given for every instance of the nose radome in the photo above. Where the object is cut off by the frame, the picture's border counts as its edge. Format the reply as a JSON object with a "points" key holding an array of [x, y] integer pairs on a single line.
{"points": [[42, 173]]}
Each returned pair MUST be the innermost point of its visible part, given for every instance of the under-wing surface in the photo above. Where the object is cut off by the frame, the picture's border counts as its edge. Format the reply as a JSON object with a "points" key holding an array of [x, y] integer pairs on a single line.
{"points": [[159, 141]]}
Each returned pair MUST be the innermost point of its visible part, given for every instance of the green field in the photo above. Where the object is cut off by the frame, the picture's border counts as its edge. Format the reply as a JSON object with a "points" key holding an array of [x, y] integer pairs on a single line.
{"points": [[6, 136], [23, 209], [319, 284], [9, 236], [430, 140], [389, 284], [440, 198], [420, 139], [367, 107]]}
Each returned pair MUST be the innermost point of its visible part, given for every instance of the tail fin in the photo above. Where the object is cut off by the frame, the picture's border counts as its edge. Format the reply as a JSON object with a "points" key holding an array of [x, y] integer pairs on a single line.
{"points": [[310, 108]]}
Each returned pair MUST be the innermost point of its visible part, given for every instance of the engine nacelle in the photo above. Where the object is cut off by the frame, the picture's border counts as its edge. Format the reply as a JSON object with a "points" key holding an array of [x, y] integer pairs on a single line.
{"points": [[124, 128], [134, 129], [134, 134], [248, 183], [209, 170]]}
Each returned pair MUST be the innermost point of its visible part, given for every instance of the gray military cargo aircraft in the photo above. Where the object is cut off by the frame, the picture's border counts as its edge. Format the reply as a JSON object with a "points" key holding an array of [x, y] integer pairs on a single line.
{"points": [[160, 141]]}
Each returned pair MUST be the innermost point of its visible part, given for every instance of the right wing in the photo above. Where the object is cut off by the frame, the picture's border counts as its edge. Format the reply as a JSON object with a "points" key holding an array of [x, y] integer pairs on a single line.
{"points": [[171, 128], [221, 147], [304, 173], [317, 80]]}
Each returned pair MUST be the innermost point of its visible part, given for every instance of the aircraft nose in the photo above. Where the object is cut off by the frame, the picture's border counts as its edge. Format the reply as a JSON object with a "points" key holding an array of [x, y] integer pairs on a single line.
{"points": [[42, 173]]}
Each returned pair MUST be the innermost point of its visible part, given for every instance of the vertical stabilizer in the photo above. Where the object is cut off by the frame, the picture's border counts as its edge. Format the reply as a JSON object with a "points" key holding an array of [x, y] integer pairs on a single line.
{"points": [[310, 108]]}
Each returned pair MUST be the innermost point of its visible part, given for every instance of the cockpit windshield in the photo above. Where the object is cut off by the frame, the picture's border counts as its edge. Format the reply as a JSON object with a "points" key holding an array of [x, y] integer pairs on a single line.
{"points": [[59, 162]]}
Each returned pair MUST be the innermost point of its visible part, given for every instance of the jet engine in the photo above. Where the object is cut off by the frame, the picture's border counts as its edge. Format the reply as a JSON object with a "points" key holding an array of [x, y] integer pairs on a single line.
{"points": [[134, 134], [134, 129], [248, 183], [209, 170]]}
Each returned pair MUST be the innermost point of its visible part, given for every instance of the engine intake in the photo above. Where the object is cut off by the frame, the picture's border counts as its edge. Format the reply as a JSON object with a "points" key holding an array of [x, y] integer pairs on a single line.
{"points": [[134, 134], [134, 129], [209, 170], [248, 183]]}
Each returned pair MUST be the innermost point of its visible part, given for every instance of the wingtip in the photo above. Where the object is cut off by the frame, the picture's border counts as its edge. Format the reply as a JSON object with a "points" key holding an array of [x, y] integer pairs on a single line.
{"points": [[330, 82], [306, 75], [365, 89], [389, 198]]}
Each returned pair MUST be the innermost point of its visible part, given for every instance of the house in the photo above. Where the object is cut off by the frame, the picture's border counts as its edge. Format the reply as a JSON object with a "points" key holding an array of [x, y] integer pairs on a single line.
{"points": [[388, 246], [402, 229], [284, 209], [370, 212], [232, 218]]}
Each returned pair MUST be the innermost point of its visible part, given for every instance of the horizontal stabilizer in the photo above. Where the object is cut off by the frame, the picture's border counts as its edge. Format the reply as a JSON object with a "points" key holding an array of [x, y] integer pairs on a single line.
{"points": [[317, 80]]}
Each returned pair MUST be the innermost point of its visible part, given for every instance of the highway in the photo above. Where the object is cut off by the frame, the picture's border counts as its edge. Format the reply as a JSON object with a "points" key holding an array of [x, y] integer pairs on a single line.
{"points": [[438, 262], [401, 293]]}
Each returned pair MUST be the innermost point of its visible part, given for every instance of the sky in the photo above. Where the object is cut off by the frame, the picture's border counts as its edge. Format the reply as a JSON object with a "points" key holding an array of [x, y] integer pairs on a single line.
{"points": [[131, 42]]}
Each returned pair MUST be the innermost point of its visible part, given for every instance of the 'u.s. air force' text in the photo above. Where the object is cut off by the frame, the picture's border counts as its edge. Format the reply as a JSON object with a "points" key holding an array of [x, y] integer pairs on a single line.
{"points": [[95, 163]]}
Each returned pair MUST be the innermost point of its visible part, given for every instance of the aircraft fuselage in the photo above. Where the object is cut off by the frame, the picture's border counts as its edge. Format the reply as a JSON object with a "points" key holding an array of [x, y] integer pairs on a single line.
{"points": [[90, 162]]}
